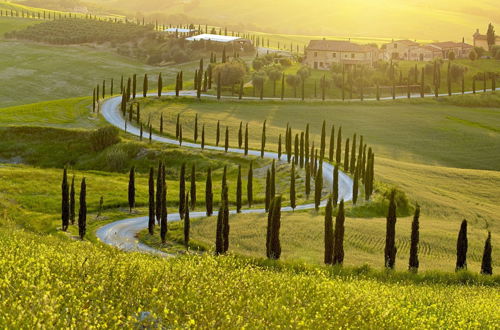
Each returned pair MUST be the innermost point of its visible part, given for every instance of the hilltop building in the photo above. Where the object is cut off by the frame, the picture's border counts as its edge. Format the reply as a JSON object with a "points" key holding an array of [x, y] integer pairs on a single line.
{"points": [[411, 50], [322, 54], [480, 40]]}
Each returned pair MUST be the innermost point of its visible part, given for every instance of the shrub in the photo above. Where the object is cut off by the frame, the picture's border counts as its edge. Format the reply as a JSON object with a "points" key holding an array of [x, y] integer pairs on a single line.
{"points": [[104, 137], [116, 159]]}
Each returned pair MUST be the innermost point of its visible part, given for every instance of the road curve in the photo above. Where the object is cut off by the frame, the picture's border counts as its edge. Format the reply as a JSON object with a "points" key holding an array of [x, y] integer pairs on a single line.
{"points": [[122, 233]]}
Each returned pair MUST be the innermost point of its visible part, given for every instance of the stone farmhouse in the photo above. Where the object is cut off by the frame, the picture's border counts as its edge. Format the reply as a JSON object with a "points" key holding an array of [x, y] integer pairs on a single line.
{"points": [[410, 50], [481, 41], [322, 54]]}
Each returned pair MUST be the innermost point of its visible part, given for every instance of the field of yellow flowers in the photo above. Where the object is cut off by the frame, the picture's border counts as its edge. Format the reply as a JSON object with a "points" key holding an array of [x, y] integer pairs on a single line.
{"points": [[53, 281]]}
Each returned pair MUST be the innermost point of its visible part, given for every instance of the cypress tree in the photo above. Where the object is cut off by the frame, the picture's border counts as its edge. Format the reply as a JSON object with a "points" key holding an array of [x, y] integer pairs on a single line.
{"points": [[275, 244], [159, 186], [145, 86], [94, 100], [209, 195], [282, 86], [355, 187], [335, 184], [352, 166], [415, 237], [161, 123], [246, 139], [462, 245], [292, 188], [306, 142], [98, 94], [318, 186], [195, 128], [377, 95], [138, 113], [121, 85], [332, 144], [296, 150], [182, 190], [160, 85], [134, 85], [268, 190], [346, 156], [177, 85], [329, 238], [72, 201], [151, 182], [192, 190], [250, 185], [486, 267], [339, 146], [390, 238], [218, 86], [131, 189], [240, 135], [323, 142], [273, 180], [269, 229], [238, 191], [289, 145], [279, 147], [65, 201], [308, 178], [82, 214], [225, 231], [226, 144], [180, 134], [187, 223], [219, 238], [263, 141], [163, 207], [217, 134], [240, 94], [177, 125], [141, 132], [129, 89], [422, 83], [203, 137], [338, 241]]}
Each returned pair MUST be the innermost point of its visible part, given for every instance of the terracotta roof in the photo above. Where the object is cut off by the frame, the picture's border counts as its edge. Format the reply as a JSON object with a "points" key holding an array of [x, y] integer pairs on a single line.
{"points": [[406, 42], [449, 44], [338, 46]]}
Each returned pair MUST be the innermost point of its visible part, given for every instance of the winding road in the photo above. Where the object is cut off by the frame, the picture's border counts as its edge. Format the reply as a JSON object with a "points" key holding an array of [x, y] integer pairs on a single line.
{"points": [[122, 233]]}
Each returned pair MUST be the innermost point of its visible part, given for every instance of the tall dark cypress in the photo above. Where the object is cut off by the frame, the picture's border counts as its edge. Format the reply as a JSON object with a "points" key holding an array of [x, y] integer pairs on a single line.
{"points": [[329, 238], [308, 178], [250, 185], [268, 190], [151, 222], [486, 268], [163, 209], [355, 187], [182, 190], [338, 241], [352, 165], [226, 141], [246, 139], [72, 202], [177, 125], [332, 144], [318, 186], [145, 86], [65, 201], [180, 134], [217, 134], [415, 237], [269, 229], [296, 154], [263, 140], [134, 85], [346, 156], [335, 185], [292, 187], [273, 180], [339, 146], [240, 135], [161, 123], [462, 246], [390, 238], [274, 243], [306, 143], [238, 191], [219, 237], [279, 147], [301, 154], [209, 195], [203, 137], [323, 141], [219, 87], [131, 189], [82, 214], [192, 190], [160, 85], [226, 227], [187, 223], [159, 186], [195, 137]]}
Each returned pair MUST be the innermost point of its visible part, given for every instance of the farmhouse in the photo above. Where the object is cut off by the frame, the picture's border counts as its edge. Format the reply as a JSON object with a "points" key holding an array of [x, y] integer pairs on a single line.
{"points": [[423, 53], [399, 50], [410, 50], [322, 54], [460, 49], [480, 40]]}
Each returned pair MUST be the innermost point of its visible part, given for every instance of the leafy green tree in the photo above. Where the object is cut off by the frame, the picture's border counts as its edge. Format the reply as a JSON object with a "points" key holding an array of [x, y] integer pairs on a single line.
{"points": [[486, 267], [462, 246], [415, 237], [151, 222], [390, 238], [65, 207], [131, 189], [209, 195], [329, 238], [338, 242], [82, 214], [293, 81], [274, 73]]}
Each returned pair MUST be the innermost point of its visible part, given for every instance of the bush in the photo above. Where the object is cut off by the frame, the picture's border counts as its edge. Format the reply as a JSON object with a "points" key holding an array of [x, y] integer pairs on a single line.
{"points": [[116, 160], [104, 137]]}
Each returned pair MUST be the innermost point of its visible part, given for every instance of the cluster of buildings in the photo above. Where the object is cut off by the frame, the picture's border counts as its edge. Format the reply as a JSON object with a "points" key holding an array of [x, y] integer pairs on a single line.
{"points": [[322, 54]]}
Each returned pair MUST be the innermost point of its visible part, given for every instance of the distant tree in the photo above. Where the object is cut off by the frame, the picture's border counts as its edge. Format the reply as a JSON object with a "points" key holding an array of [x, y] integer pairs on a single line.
{"points": [[292, 187], [338, 242], [151, 222], [486, 267], [323, 142], [355, 187], [282, 86], [329, 238], [335, 184], [390, 239], [451, 56], [293, 81], [187, 222], [352, 165], [163, 207], [240, 135], [209, 195], [339, 146], [161, 123], [318, 188], [134, 85], [490, 36], [72, 201], [274, 73], [145, 86], [203, 137], [230, 73], [246, 139], [415, 237], [279, 147], [182, 190], [177, 125], [226, 144], [82, 214], [192, 187], [65, 207], [268, 190], [296, 150], [473, 55], [462, 245], [332, 144], [217, 134], [308, 178], [263, 140], [180, 134], [238, 191], [160, 85], [131, 189], [346, 156], [159, 187], [274, 235], [195, 133]]}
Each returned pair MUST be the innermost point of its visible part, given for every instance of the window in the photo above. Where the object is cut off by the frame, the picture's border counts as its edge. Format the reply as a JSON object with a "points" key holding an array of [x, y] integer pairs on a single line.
{"points": [[353, 55], [315, 54], [320, 64], [334, 55]]}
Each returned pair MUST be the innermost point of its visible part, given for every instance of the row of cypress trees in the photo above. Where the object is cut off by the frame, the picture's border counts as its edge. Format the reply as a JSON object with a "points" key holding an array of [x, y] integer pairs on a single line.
{"points": [[68, 203]]}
